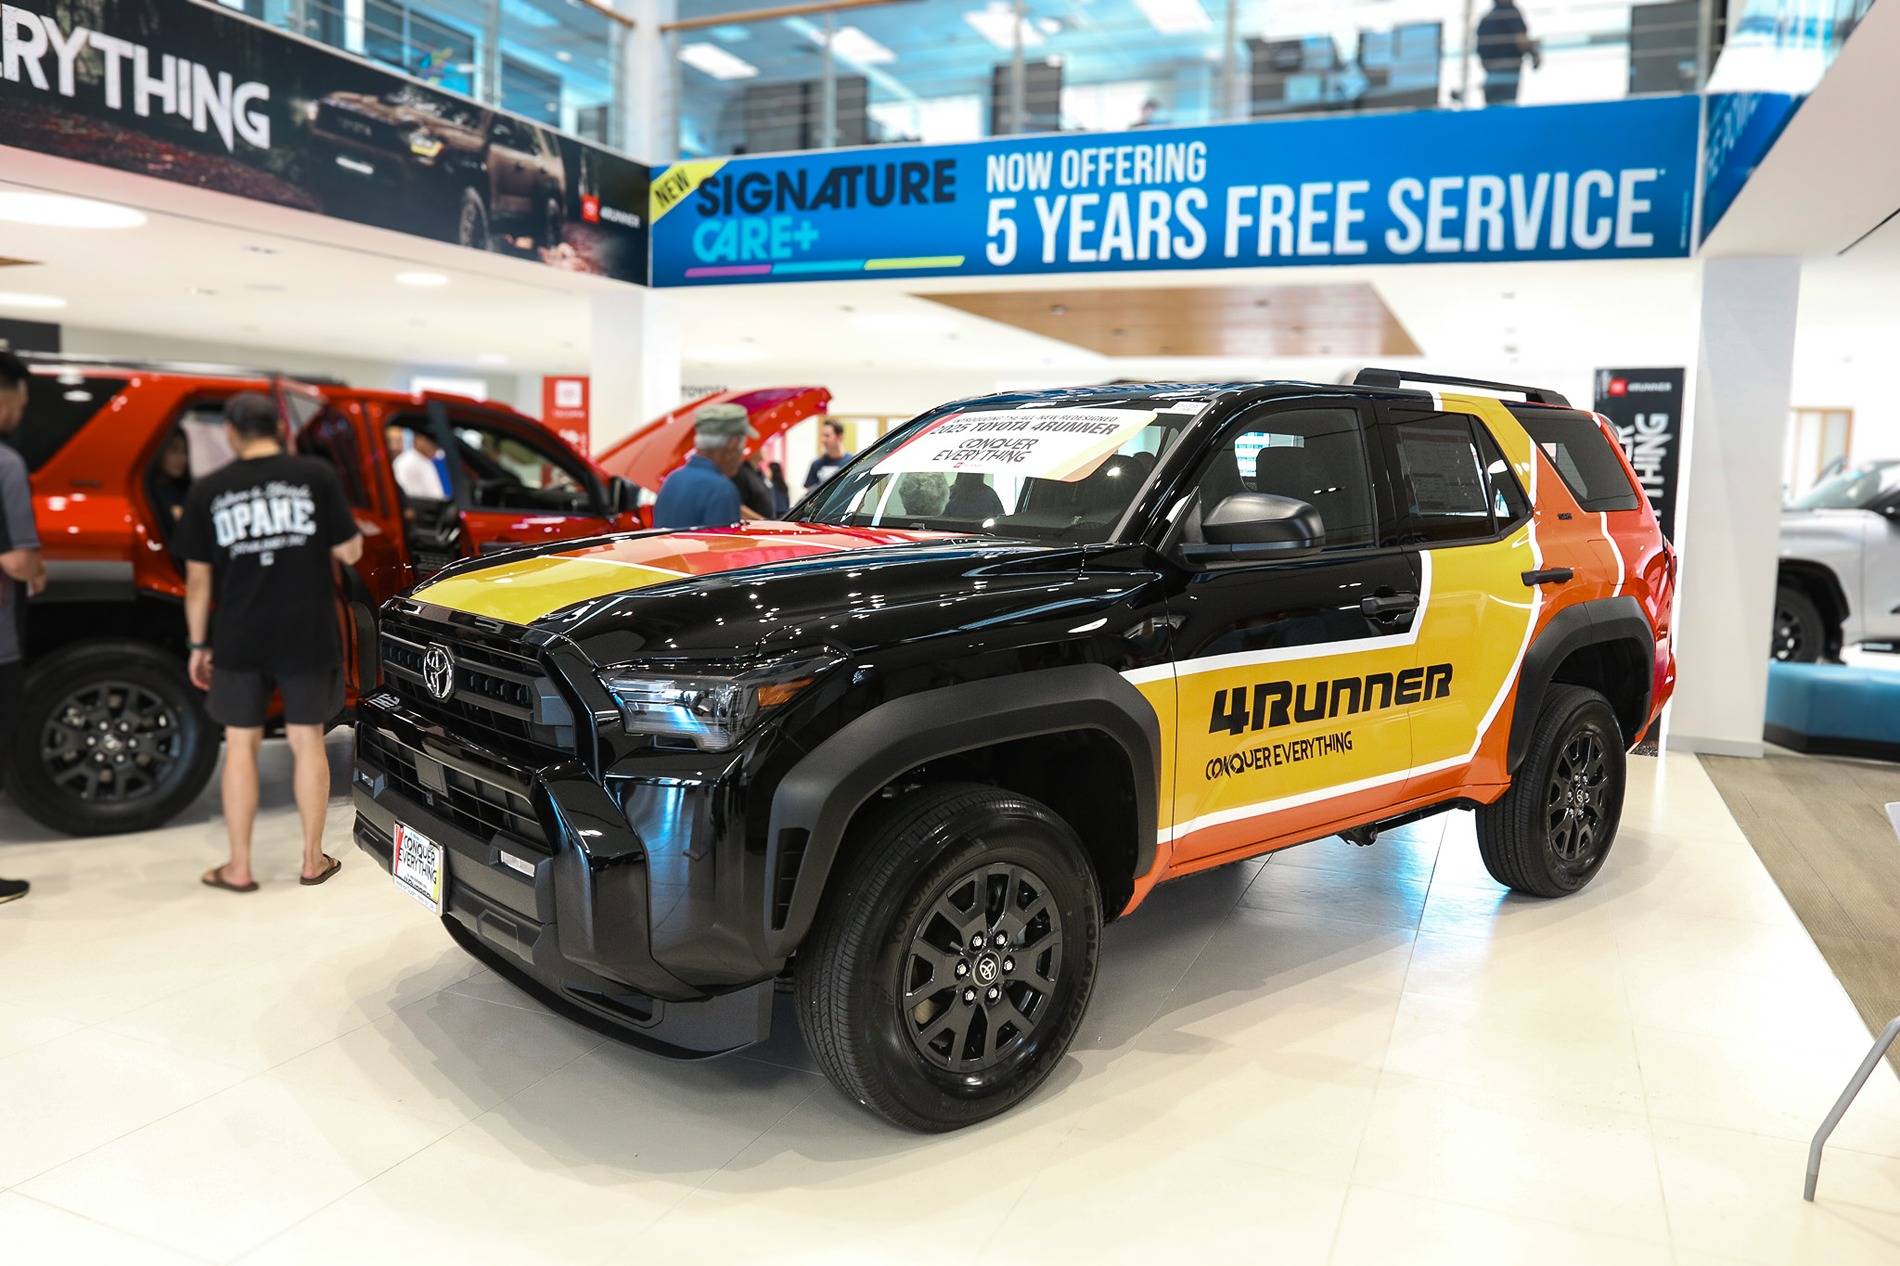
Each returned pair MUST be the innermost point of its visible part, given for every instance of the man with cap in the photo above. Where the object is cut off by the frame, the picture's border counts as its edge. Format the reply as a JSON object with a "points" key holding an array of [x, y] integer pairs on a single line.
{"points": [[701, 493]]}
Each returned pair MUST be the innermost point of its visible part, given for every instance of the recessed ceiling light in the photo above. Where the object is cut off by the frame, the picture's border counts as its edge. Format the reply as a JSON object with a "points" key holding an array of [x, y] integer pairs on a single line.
{"points": [[562, 55], [1175, 17], [203, 290], [492, 358], [999, 24], [60, 211], [265, 287], [710, 59], [422, 279], [1058, 309], [263, 250], [851, 44], [15, 299]]}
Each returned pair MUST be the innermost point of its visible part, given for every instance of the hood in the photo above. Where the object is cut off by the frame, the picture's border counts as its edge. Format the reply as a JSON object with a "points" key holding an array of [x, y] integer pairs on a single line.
{"points": [[654, 451], [731, 591]]}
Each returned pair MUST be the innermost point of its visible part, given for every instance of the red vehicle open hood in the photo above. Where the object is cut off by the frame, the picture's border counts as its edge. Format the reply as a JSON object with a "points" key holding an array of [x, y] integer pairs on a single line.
{"points": [[652, 453]]}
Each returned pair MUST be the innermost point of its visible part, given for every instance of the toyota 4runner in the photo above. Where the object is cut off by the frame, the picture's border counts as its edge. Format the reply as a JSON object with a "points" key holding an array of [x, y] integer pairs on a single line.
{"points": [[1024, 659]]}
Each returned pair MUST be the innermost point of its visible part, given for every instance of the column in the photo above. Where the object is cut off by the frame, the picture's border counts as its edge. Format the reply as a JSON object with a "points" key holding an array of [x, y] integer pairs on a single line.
{"points": [[635, 357], [647, 102], [1730, 497]]}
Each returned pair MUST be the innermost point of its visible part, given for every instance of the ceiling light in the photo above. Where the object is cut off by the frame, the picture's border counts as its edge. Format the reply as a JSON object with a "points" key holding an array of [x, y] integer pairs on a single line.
{"points": [[731, 34], [59, 211], [262, 250], [562, 55], [14, 299], [854, 46], [492, 358], [1175, 17], [422, 279], [997, 24], [710, 59]]}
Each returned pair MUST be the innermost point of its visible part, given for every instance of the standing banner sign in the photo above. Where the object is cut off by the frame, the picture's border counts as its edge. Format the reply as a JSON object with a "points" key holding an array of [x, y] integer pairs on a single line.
{"points": [[1645, 407], [1608, 180], [564, 410], [196, 95]]}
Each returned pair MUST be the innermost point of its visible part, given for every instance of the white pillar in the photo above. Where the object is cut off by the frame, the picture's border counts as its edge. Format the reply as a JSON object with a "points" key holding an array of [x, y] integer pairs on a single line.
{"points": [[634, 351], [649, 83], [1729, 502]]}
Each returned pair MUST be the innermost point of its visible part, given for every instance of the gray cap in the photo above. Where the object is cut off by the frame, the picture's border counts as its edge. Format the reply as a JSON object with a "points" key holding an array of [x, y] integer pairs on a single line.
{"points": [[723, 421]]}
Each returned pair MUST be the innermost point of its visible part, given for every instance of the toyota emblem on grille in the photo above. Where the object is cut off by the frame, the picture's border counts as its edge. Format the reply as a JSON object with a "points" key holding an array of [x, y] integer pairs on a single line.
{"points": [[438, 670]]}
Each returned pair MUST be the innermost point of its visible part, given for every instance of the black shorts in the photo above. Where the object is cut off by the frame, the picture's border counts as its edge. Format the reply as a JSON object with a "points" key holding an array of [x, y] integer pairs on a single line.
{"points": [[241, 697]]}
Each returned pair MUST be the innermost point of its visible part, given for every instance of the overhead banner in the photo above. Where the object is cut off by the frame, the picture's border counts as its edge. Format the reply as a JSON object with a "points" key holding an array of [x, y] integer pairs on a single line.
{"points": [[194, 94], [1610, 180], [1645, 407]]}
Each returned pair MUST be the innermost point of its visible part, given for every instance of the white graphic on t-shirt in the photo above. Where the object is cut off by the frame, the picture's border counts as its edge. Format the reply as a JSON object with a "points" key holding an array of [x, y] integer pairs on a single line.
{"points": [[262, 520]]}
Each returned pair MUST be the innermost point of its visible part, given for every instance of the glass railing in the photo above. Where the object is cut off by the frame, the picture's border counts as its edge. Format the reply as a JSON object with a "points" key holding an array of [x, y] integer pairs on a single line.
{"points": [[553, 61], [751, 79]]}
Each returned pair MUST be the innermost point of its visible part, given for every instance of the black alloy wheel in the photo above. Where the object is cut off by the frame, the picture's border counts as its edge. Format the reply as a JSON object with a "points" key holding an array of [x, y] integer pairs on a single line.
{"points": [[471, 222], [111, 741], [553, 225], [1549, 834], [984, 962], [953, 954], [1798, 634], [1575, 801], [111, 737]]}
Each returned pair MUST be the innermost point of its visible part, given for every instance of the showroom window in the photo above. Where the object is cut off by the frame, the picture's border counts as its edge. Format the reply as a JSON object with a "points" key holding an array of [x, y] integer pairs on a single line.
{"points": [[1313, 455]]}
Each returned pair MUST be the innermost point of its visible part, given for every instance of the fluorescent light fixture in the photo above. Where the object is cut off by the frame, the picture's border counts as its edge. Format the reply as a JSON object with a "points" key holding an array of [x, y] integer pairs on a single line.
{"points": [[14, 299], [997, 24], [710, 59], [854, 46], [59, 211], [1175, 17], [422, 279]]}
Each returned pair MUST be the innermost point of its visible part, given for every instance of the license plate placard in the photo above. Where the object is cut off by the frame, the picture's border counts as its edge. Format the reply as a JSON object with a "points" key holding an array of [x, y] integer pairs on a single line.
{"points": [[420, 867]]}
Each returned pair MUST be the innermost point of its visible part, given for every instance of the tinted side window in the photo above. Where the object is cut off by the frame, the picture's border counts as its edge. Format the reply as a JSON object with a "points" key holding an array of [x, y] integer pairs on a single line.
{"points": [[1445, 489], [57, 409], [1577, 447], [1313, 455], [332, 438]]}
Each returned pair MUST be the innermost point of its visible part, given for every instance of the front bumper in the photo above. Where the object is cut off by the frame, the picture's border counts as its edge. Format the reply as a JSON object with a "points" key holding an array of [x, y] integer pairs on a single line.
{"points": [[547, 882]]}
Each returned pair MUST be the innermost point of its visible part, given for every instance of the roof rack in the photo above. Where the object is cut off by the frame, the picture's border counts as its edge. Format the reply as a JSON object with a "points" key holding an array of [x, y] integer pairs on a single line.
{"points": [[206, 369], [1399, 377]]}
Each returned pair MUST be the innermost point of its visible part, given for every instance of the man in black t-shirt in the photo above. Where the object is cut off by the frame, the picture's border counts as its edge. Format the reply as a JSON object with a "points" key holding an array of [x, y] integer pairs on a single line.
{"points": [[258, 537]]}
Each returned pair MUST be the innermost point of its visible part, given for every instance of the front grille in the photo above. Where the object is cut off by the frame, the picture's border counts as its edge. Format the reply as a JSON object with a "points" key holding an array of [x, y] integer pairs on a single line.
{"points": [[493, 802], [499, 693]]}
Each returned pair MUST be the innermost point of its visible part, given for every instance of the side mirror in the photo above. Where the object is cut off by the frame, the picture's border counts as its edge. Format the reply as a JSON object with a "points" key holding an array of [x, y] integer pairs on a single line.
{"points": [[1257, 525], [623, 495]]}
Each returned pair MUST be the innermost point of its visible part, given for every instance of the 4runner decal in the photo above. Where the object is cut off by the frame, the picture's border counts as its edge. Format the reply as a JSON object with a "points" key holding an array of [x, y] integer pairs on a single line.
{"points": [[1061, 444], [1416, 703]]}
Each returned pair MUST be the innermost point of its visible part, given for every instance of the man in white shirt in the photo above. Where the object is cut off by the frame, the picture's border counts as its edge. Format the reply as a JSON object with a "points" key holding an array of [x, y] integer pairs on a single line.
{"points": [[418, 473]]}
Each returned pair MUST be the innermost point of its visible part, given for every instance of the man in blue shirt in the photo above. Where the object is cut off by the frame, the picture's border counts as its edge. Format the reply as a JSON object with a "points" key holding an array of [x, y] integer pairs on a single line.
{"points": [[701, 493]]}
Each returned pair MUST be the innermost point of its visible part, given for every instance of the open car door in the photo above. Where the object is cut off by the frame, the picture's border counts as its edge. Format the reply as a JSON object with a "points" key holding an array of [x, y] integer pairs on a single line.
{"points": [[660, 447]]}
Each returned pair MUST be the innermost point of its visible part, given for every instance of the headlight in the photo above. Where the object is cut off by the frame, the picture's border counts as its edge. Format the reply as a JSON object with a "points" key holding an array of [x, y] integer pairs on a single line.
{"points": [[713, 710], [424, 146]]}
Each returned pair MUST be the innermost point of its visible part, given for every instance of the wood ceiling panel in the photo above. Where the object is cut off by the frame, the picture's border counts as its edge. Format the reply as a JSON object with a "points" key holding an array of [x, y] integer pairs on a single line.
{"points": [[1333, 320]]}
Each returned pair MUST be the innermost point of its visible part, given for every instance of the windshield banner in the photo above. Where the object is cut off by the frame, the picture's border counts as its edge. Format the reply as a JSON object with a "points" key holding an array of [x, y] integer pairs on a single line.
{"points": [[1609, 180], [194, 94], [1063, 444]]}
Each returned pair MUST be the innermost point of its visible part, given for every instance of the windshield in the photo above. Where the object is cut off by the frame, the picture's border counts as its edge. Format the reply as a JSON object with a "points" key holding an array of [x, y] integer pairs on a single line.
{"points": [[1060, 473], [1855, 489]]}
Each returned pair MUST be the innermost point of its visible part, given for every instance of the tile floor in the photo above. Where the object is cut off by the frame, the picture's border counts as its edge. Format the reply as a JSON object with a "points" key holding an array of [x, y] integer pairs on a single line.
{"points": [[1341, 1055]]}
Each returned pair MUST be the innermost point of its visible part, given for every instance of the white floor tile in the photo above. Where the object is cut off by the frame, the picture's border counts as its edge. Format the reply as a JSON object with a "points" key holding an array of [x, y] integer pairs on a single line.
{"points": [[34, 1232], [1383, 1228]]}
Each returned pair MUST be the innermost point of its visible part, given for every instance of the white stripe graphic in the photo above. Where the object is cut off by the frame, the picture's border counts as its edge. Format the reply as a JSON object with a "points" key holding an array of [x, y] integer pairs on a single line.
{"points": [[1614, 549]]}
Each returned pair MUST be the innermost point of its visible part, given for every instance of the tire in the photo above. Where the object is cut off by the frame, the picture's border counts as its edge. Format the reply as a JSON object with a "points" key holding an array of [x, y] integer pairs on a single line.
{"points": [[165, 747], [471, 221], [904, 865], [1800, 634], [553, 225], [1536, 838]]}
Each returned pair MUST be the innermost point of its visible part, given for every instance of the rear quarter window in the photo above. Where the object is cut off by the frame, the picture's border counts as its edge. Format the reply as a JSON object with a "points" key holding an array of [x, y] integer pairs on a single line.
{"points": [[1584, 458], [57, 409]]}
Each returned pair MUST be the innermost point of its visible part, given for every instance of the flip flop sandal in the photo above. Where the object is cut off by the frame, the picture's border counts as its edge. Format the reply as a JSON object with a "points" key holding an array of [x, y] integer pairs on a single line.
{"points": [[327, 871], [214, 878]]}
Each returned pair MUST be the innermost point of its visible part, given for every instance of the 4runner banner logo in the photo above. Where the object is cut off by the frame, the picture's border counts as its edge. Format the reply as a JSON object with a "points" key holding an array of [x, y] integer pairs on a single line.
{"points": [[1272, 704]]}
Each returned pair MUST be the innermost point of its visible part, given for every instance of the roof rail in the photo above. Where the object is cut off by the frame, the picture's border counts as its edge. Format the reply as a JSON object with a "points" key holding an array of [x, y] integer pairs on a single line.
{"points": [[206, 369], [1399, 377]]}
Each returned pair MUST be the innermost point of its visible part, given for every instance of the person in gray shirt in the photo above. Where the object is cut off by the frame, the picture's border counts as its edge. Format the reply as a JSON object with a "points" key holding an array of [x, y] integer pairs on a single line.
{"points": [[22, 571]]}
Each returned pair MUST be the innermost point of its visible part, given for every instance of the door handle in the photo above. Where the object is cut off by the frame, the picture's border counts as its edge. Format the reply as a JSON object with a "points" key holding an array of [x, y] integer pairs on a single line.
{"points": [[1548, 576], [1389, 606]]}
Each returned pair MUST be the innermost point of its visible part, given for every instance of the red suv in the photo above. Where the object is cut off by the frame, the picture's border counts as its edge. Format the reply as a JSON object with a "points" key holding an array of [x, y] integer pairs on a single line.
{"points": [[112, 737]]}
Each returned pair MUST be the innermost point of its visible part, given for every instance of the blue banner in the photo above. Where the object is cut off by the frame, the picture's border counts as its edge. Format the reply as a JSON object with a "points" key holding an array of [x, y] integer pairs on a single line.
{"points": [[1610, 180], [1743, 127]]}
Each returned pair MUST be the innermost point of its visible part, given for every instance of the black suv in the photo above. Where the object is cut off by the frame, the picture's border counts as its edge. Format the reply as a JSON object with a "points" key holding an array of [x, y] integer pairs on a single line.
{"points": [[1022, 660]]}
